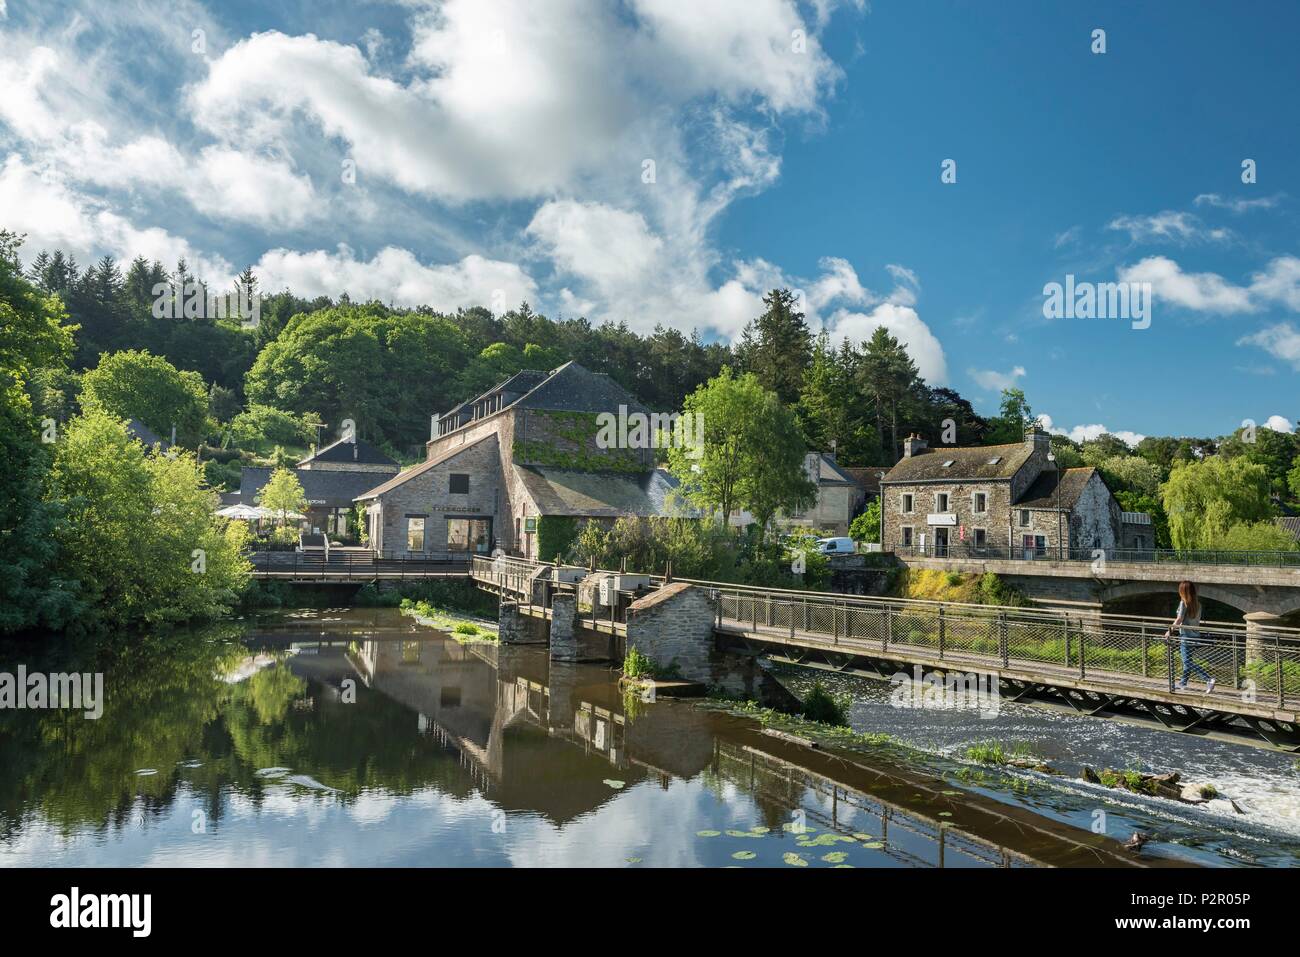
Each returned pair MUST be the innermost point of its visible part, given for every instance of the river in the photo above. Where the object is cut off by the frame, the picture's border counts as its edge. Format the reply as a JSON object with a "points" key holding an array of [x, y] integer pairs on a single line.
{"points": [[354, 737]]}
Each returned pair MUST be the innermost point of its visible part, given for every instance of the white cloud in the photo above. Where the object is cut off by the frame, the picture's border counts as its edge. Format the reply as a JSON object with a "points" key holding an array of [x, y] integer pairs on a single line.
{"points": [[611, 248], [1282, 341], [1168, 226], [52, 215], [395, 275], [1237, 205], [1279, 423], [993, 381], [1084, 433], [1202, 292], [1279, 282]]}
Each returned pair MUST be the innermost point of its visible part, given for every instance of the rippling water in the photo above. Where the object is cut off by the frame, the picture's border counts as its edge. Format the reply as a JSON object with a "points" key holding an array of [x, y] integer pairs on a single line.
{"points": [[1264, 783]]}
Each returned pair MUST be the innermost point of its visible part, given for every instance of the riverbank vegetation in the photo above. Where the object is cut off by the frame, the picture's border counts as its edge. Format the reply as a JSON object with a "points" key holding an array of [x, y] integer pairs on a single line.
{"points": [[461, 626]]}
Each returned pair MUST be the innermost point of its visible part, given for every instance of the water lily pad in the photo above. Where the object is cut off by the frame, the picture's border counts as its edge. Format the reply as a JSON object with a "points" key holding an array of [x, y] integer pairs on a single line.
{"points": [[863, 837], [873, 845], [834, 857], [271, 772], [732, 832], [708, 833], [838, 866], [614, 784], [744, 855], [793, 859], [825, 840], [794, 828], [145, 772], [945, 813]]}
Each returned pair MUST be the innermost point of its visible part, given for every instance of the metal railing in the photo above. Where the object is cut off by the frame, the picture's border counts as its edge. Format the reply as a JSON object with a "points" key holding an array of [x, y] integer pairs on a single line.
{"points": [[341, 565], [1255, 664], [966, 551]]}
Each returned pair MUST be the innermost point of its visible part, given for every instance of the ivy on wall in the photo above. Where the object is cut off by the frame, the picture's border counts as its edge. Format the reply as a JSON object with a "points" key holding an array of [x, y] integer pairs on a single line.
{"points": [[555, 535], [569, 442]]}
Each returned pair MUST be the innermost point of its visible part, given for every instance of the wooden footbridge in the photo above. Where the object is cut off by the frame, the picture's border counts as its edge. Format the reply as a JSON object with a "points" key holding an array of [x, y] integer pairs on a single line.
{"points": [[1090, 663]]}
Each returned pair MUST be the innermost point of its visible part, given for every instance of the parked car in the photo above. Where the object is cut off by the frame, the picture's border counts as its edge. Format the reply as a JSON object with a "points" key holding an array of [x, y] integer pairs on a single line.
{"points": [[836, 546]]}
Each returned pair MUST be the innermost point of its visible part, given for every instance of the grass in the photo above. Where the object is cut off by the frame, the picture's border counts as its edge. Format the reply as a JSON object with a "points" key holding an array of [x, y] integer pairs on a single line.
{"points": [[994, 752], [458, 626], [639, 665]]}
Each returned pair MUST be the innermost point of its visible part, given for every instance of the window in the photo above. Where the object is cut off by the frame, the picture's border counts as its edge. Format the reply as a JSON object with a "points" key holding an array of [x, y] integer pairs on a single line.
{"points": [[907, 535], [995, 460], [980, 503], [1024, 518], [981, 538], [907, 504], [458, 484], [414, 534], [469, 535], [941, 502], [949, 463]]}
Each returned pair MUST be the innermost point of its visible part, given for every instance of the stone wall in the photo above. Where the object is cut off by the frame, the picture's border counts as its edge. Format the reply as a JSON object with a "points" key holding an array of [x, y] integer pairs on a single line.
{"points": [[564, 640], [674, 625]]}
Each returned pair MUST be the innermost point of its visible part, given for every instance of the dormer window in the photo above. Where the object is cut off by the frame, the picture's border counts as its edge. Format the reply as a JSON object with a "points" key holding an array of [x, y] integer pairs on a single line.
{"points": [[995, 460], [948, 464]]}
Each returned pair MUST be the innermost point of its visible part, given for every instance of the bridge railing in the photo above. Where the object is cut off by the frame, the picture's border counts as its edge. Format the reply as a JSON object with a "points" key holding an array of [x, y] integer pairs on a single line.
{"points": [[1260, 664], [341, 565], [965, 551]]}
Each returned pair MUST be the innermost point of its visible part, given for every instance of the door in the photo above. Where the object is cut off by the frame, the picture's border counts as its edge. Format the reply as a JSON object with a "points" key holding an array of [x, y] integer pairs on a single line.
{"points": [[941, 543]]}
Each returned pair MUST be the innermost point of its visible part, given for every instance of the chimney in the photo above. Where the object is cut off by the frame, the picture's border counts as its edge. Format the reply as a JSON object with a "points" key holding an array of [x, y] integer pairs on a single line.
{"points": [[1037, 439], [913, 444]]}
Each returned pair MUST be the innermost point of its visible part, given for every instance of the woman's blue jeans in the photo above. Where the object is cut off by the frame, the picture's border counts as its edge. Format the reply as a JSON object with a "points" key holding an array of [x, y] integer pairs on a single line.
{"points": [[1190, 667]]}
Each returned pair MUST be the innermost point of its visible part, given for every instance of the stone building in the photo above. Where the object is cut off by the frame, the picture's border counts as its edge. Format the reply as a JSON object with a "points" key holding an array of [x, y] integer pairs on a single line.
{"points": [[519, 468], [331, 477], [996, 501]]}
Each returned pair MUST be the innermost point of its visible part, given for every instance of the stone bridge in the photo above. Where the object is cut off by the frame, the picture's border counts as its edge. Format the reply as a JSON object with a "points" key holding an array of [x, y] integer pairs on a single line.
{"points": [[1262, 593]]}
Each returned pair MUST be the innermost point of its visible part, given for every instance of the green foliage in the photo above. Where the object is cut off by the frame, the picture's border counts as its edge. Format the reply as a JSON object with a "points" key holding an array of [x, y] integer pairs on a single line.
{"points": [[569, 442], [283, 494], [866, 527], [555, 536], [1205, 499], [776, 347], [1130, 473], [139, 537], [1151, 504], [637, 665], [1258, 537], [1013, 418], [753, 452], [139, 385], [261, 428], [821, 706]]}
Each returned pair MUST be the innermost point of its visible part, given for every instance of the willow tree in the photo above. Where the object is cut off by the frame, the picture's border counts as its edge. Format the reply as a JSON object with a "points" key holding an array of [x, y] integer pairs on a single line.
{"points": [[1205, 500]]}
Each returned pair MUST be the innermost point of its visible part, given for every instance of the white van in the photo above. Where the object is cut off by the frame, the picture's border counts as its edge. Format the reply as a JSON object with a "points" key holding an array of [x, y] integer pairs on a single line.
{"points": [[836, 546]]}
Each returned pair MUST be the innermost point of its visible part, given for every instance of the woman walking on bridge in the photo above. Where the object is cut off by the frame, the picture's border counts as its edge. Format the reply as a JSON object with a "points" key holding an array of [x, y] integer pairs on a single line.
{"points": [[1186, 621]]}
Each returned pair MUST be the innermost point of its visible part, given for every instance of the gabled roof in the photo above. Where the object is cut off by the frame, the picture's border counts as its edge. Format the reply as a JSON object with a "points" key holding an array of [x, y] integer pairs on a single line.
{"points": [[402, 477], [341, 452], [597, 494], [521, 382], [1042, 494], [868, 478], [329, 487], [986, 462], [829, 473], [568, 388]]}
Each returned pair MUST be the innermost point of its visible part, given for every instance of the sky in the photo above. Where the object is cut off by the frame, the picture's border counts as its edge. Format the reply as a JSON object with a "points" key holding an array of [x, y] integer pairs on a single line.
{"points": [[926, 165]]}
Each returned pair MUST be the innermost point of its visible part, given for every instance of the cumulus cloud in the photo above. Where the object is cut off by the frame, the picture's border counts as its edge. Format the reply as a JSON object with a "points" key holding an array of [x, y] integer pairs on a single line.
{"points": [[1279, 423], [1084, 433], [1237, 205], [1282, 341], [1201, 292], [904, 324], [395, 276]]}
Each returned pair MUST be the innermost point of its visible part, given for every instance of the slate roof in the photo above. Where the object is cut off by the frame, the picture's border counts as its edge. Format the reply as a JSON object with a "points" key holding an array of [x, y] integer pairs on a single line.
{"points": [[1042, 494], [520, 383], [370, 491], [968, 463], [596, 494], [867, 478], [1289, 522], [324, 488], [147, 436], [341, 452], [829, 473], [569, 388]]}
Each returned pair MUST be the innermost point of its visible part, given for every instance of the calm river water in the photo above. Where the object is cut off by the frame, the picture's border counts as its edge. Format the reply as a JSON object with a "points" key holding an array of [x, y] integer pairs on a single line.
{"points": [[353, 737]]}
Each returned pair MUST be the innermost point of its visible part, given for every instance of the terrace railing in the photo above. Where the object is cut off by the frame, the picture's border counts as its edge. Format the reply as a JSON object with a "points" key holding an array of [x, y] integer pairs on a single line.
{"points": [[964, 551], [341, 565]]}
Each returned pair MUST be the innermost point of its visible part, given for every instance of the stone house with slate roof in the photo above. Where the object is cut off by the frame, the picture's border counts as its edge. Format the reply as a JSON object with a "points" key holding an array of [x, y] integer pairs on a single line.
{"points": [[996, 501], [331, 477], [499, 466]]}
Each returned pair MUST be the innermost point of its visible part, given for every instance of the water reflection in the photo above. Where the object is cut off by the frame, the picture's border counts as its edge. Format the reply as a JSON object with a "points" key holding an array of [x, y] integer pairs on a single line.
{"points": [[354, 738]]}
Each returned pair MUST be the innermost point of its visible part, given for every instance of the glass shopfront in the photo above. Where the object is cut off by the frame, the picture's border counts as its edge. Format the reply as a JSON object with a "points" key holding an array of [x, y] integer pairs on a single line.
{"points": [[469, 535]]}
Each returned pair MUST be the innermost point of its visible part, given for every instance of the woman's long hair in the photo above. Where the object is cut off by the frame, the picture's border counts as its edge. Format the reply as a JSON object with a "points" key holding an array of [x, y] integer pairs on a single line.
{"points": [[1187, 592]]}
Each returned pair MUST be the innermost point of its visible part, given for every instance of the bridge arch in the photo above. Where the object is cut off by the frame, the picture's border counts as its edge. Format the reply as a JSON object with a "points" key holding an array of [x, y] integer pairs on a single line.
{"points": [[1126, 591]]}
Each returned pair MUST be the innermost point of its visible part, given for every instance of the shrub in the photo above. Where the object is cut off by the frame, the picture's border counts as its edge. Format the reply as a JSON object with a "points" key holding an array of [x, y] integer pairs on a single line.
{"points": [[820, 705]]}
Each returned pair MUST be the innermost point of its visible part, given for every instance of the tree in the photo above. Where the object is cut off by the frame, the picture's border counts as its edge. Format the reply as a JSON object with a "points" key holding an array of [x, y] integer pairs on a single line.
{"points": [[1013, 418], [777, 346], [138, 535], [35, 342], [753, 451], [888, 375], [260, 427], [1129, 473], [139, 385], [1205, 499], [1103, 447], [866, 527], [832, 411], [283, 493]]}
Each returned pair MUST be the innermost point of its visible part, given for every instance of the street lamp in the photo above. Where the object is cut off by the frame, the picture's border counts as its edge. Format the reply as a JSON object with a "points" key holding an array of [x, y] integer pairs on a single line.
{"points": [[1051, 457], [880, 497]]}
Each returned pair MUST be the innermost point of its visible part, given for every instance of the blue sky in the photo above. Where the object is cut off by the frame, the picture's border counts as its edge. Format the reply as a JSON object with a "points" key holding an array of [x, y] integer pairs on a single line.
{"points": [[502, 150]]}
